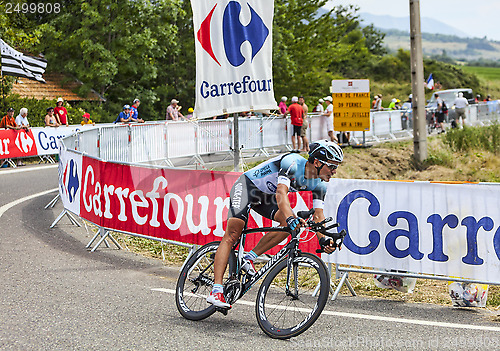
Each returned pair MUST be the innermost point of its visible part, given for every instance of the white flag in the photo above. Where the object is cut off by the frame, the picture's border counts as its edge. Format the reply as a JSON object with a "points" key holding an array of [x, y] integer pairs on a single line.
{"points": [[233, 42], [15, 63]]}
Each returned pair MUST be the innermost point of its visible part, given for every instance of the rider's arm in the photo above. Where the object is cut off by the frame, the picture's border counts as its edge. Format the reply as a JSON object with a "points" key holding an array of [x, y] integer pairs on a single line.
{"points": [[318, 217], [283, 201]]}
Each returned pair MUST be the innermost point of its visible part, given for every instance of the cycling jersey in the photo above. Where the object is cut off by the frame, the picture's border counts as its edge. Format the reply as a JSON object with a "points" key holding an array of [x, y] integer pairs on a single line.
{"points": [[256, 188]]}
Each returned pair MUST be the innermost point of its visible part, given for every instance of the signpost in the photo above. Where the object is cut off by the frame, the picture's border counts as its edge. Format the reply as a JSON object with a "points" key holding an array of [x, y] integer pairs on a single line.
{"points": [[351, 104]]}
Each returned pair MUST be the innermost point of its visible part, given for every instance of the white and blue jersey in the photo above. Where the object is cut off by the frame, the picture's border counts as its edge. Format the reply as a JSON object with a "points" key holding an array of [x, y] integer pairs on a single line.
{"points": [[256, 188]]}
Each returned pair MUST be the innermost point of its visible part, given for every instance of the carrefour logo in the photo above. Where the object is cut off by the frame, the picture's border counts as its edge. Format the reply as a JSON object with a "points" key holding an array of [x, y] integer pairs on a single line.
{"points": [[234, 33], [72, 181]]}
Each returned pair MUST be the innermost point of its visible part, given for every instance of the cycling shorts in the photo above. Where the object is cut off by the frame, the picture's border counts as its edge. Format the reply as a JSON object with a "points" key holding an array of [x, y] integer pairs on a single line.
{"points": [[246, 196]]}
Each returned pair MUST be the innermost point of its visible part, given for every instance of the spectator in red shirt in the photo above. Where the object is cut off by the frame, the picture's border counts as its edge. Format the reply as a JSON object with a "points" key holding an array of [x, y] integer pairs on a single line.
{"points": [[296, 113], [61, 112], [8, 121]]}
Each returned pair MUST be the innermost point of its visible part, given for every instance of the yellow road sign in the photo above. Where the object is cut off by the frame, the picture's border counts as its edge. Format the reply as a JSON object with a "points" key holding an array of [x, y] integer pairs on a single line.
{"points": [[351, 104]]}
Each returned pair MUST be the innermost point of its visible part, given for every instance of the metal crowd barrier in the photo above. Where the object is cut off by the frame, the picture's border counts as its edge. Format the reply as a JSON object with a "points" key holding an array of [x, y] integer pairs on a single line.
{"points": [[166, 141]]}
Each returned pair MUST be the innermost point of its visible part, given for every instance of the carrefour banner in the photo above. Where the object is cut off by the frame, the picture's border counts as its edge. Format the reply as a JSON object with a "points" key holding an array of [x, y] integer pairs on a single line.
{"points": [[233, 41], [33, 142], [420, 227], [187, 206]]}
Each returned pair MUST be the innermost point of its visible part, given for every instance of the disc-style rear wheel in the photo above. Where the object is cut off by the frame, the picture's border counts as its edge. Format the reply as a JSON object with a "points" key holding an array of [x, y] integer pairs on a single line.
{"points": [[284, 312], [195, 283]]}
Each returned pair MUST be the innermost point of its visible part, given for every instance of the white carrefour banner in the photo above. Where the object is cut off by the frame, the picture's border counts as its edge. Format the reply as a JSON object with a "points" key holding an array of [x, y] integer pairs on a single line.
{"points": [[420, 227], [233, 56]]}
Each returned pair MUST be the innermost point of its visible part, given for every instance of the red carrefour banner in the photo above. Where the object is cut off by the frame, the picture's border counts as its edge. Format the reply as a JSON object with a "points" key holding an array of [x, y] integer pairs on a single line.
{"points": [[17, 143], [188, 206], [34, 142]]}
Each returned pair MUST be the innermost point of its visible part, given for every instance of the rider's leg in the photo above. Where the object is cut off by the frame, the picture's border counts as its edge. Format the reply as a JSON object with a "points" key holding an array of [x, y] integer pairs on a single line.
{"points": [[233, 231]]}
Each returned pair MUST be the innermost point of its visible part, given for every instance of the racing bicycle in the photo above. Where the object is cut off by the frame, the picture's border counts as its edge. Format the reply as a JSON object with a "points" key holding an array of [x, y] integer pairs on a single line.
{"points": [[291, 297]]}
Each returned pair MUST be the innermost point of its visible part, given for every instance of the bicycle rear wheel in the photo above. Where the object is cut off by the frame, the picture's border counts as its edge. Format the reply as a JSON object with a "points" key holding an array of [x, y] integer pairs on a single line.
{"points": [[195, 283], [283, 315]]}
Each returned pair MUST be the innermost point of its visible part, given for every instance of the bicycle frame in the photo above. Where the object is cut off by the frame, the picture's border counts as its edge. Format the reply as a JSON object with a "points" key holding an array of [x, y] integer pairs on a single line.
{"points": [[289, 249]]}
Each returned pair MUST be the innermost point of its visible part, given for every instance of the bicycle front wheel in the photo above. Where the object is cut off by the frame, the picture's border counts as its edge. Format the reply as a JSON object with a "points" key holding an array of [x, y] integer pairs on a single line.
{"points": [[196, 280], [284, 312]]}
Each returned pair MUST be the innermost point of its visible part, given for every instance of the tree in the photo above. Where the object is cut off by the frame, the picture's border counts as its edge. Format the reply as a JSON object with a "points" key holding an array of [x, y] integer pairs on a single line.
{"points": [[115, 47], [304, 44]]}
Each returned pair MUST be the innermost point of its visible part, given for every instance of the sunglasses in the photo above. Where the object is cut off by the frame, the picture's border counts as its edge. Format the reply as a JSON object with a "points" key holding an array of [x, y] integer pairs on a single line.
{"points": [[330, 166]]}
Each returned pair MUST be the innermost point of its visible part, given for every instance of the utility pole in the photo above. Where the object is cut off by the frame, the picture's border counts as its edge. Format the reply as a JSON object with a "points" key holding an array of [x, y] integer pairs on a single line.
{"points": [[417, 84]]}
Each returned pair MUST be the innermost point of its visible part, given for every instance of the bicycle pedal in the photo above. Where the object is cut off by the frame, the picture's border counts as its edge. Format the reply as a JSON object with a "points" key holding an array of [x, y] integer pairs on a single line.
{"points": [[222, 310]]}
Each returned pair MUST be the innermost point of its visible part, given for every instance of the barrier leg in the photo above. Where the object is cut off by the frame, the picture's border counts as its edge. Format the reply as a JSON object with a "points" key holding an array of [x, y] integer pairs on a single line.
{"points": [[10, 162], [72, 219], [343, 280], [61, 215], [53, 201], [107, 234], [93, 239]]}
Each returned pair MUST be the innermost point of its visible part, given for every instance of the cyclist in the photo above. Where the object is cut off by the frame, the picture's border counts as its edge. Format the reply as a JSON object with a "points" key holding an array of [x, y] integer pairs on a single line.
{"points": [[264, 189]]}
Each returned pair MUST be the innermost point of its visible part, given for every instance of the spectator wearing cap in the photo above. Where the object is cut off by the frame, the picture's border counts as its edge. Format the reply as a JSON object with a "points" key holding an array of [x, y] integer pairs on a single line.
{"points": [[50, 118], [173, 112], [124, 116], [61, 113], [282, 105], [319, 107], [8, 121], [190, 113], [328, 116], [134, 113], [296, 114], [86, 119], [22, 119]]}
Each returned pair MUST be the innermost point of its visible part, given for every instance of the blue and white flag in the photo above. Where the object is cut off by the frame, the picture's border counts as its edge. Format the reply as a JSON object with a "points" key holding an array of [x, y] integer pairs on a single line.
{"points": [[430, 82], [233, 42], [15, 63]]}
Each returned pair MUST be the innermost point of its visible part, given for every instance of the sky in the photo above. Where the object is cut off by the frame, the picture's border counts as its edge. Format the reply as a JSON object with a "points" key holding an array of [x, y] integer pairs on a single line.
{"points": [[478, 19]]}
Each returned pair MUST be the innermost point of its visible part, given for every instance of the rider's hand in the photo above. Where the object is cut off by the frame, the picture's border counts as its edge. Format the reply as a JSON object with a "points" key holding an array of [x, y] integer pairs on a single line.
{"points": [[294, 223], [327, 244]]}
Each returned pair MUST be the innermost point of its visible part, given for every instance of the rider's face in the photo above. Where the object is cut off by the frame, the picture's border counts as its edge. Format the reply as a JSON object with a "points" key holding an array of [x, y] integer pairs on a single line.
{"points": [[328, 170]]}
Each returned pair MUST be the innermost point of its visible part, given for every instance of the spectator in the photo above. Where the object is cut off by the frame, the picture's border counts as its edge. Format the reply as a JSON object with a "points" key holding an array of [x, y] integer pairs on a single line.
{"points": [[86, 119], [190, 113], [378, 103], [374, 102], [319, 107], [8, 121], [282, 105], [134, 113], [61, 112], [50, 119], [460, 104], [296, 113], [22, 119], [124, 116], [305, 124], [488, 98], [439, 112], [173, 112], [394, 105], [478, 98], [328, 115]]}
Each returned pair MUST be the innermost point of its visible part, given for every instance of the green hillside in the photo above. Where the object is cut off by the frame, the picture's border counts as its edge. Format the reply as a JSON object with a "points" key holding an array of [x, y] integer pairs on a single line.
{"points": [[458, 48]]}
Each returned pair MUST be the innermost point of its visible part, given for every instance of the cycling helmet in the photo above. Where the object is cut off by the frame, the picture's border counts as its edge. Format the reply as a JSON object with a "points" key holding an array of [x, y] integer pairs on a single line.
{"points": [[326, 151]]}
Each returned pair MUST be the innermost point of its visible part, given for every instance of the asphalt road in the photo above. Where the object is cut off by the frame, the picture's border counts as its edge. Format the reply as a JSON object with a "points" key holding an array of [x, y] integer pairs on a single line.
{"points": [[56, 295]]}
